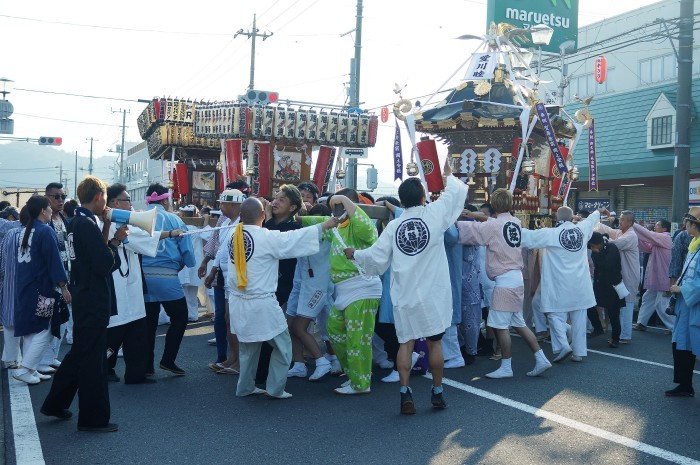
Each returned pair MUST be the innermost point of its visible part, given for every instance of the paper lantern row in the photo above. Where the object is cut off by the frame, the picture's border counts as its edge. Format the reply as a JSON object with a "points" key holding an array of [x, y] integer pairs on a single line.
{"points": [[165, 110], [279, 123], [173, 135]]}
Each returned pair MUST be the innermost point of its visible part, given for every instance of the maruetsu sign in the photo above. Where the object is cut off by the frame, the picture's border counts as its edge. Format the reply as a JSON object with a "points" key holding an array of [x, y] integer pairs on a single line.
{"points": [[560, 15]]}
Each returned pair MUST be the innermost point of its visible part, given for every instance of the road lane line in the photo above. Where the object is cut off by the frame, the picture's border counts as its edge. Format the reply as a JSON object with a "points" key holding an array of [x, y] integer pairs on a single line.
{"points": [[26, 437], [639, 360], [636, 360], [577, 425]]}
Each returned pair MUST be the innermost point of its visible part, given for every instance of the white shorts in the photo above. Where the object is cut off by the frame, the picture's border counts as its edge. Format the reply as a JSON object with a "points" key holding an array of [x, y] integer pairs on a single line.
{"points": [[309, 305], [504, 320]]}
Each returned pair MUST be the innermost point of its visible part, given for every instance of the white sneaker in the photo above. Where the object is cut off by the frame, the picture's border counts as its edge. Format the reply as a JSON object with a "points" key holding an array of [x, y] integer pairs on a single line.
{"points": [[392, 377], [297, 371], [26, 377], [345, 384], [336, 368], [56, 363], [457, 362], [284, 395], [540, 367], [563, 354], [322, 369], [500, 373], [212, 342], [42, 377], [45, 369], [576, 358], [386, 364], [120, 353], [349, 391]]}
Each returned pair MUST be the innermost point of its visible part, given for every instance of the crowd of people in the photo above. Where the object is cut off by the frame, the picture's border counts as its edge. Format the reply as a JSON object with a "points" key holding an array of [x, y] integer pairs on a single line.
{"points": [[308, 277]]}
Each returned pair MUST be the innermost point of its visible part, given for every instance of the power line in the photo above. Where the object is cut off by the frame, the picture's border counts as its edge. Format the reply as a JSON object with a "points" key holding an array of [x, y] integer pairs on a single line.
{"points": [[114, 28], [75, 95], [68, 120]]}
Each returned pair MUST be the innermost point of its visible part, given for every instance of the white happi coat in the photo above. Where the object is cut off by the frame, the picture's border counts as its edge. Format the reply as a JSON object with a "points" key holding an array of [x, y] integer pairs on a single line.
{"points": [[413, 245], [566, 281], [255, 313], [129, 289], [188, 275]]}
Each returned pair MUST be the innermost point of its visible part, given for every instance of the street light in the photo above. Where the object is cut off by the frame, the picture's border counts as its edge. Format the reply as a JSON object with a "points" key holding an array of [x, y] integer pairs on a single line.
{"points": [[541, 35]]}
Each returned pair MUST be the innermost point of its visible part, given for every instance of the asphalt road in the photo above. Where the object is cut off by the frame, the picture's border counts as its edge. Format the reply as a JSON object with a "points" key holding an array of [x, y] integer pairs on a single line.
{"points": [[605, 410]]}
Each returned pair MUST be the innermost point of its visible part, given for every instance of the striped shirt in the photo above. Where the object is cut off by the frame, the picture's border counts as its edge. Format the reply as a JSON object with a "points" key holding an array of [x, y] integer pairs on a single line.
{"points": [[212, 245]]}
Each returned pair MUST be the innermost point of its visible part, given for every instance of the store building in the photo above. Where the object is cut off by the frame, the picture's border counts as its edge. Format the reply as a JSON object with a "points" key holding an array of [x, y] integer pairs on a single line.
{"points": [[634, 109]]}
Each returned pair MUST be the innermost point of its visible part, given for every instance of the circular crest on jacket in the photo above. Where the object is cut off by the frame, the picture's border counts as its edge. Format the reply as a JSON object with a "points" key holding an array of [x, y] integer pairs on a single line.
{"points": [[571, 239], [412, 236], [511, 234], [249, 245]]}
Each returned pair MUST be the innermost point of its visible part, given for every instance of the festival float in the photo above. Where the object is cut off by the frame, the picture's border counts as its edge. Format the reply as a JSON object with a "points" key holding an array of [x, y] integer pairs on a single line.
{"points": [[256, 137], [501, 128]]}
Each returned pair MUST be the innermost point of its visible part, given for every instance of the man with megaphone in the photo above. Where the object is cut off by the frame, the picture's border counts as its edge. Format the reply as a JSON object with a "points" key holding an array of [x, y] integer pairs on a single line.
{"points": [[128, 328]]}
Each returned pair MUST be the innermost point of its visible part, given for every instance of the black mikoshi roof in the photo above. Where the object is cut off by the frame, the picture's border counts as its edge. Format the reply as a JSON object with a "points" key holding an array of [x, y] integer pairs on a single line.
{"points": [[465, 111]]}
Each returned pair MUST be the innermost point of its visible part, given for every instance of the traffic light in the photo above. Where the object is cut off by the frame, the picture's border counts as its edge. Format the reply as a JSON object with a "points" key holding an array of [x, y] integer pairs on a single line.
{"points": [[261, 97], [50, 140]]}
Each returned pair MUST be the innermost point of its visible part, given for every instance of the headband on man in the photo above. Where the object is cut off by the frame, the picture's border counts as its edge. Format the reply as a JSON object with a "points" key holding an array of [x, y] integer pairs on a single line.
{"points": [[156, 198]]}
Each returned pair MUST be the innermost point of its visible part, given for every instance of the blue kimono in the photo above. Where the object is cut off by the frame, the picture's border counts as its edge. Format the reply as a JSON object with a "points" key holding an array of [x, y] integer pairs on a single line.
{"points": [[8, 276], [39, 271], [161, 271], [686, 331]]}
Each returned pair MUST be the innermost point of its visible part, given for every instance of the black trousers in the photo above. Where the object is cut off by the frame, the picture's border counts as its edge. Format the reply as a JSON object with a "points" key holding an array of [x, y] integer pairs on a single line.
{"points": [[177, 311], [134, 337], [592, 314], [614, 315], [83, 371], [387, 332], [683, 364]]}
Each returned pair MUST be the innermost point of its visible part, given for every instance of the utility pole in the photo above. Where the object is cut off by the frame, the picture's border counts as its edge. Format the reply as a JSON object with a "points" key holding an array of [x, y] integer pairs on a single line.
{"points": [[351, 180], [121, 150], [60, 172], [681, 170], [252, 34], [75, 176], [90, 165]]}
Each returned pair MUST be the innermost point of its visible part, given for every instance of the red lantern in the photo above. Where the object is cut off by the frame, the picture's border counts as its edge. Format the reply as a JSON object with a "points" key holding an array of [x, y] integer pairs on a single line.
{"points": [[600, 69], [385, 114], [427, 152]]}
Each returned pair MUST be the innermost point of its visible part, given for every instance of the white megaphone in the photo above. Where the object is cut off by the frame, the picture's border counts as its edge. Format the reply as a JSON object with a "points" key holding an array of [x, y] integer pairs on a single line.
{"points": [[144, 220]]}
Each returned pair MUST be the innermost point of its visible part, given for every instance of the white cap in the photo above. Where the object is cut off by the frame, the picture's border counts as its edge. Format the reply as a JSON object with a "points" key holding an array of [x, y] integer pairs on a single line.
{"points": [[232, 196], [188, 208]]}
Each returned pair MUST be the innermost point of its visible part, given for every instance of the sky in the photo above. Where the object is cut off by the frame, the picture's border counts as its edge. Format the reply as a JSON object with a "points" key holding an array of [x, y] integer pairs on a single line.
{"points": [[134, 50]]}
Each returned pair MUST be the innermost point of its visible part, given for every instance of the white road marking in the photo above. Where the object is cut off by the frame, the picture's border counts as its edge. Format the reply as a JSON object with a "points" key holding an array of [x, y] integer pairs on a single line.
{"points": [[577, 425], [639, 360], [26, 437], [632, 359]]}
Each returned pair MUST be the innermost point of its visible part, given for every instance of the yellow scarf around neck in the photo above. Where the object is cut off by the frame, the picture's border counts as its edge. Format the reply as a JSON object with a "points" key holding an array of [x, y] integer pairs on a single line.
{"points": [[694, 244], [239, 257]]}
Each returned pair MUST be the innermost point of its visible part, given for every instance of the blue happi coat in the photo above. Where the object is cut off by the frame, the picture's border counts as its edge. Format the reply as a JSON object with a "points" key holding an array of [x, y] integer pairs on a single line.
{"points": [[161, 271], [39, 271]]}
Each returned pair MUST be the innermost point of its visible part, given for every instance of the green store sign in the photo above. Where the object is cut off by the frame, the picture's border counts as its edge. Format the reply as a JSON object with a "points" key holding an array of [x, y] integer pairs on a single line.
{"points": [[560, 15]]}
